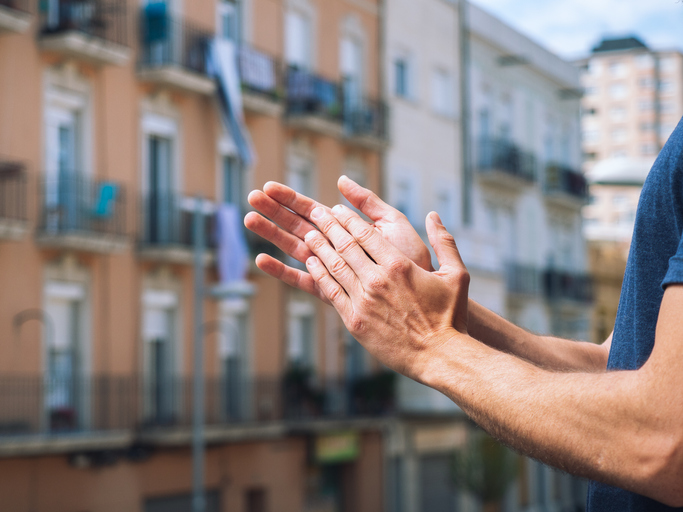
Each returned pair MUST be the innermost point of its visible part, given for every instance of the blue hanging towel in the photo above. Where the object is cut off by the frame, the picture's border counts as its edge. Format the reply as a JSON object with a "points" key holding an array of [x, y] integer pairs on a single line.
{"points": [[104, 207], [156, 22]]}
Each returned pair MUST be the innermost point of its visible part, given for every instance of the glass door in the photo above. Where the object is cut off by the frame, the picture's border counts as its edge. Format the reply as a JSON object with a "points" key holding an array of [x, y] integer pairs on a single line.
{"points": [[61, 170], [162, 211], [159, 383]]}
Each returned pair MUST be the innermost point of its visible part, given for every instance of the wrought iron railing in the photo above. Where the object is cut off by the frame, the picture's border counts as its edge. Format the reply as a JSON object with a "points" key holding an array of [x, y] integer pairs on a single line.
{"points": [[168, 41], [503, 155], [523, 279], [42, 405], [561, 179], [311, 95], [13, 192], [73, 203], [102, 19], [26, 6], [168, 220], [365, 117], [260, 73], [564, 285]]}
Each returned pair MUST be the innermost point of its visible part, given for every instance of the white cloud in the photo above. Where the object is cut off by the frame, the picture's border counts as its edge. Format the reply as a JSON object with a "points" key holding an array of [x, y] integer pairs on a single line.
{"points": [[571, 27]]}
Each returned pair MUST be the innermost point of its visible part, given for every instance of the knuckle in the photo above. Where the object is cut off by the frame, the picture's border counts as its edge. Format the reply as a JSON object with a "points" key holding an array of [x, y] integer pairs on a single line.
{"points": [[356, 324], [377, 282], [364, 234], [397, 266], [335, 293], [317, 242], [337, 266], [346, 245]]}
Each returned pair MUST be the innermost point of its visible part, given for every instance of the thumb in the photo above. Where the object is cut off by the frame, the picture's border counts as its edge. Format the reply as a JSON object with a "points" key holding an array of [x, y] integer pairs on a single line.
{"points": [[443, 243], [365, 200]]}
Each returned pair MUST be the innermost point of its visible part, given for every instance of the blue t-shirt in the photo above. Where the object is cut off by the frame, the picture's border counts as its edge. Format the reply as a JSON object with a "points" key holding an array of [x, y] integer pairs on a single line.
{"points": [[655, 260]]}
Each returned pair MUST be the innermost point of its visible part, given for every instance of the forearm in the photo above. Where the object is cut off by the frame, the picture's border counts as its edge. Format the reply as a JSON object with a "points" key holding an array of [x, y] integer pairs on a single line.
{"points": [[602, 426], [545, 351]]}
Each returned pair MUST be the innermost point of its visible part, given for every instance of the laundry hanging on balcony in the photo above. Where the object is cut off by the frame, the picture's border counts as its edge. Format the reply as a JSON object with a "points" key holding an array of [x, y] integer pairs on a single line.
{"points": [[222, 65], [233, 254]]}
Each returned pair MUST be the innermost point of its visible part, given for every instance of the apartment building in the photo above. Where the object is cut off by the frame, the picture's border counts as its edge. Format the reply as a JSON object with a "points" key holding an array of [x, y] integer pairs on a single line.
{"points": [[113, 157], [513, 201], [633, 99]]}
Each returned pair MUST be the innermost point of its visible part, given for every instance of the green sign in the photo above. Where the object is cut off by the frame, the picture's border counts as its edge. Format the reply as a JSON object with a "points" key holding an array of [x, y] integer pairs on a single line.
{"points": [[333, 448]]}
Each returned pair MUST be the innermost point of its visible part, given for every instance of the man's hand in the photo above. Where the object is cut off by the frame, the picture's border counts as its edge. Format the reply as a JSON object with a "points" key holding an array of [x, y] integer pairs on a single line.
{"points": [[396, 310], [290, 221]]}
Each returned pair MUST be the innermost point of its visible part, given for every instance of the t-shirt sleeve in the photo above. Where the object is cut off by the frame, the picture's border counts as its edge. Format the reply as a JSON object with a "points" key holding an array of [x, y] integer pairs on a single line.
{"points": [[674, 274]]}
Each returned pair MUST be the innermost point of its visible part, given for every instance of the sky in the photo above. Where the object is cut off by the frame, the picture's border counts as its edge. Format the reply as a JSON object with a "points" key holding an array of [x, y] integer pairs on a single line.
{"points": [[571, 28]]}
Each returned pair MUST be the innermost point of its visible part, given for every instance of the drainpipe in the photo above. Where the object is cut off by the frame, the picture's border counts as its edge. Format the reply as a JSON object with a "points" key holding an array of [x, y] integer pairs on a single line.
{"points": [[466, 189]]}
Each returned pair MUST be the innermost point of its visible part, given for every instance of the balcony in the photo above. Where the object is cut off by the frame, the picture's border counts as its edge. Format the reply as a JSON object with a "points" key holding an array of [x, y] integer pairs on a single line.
{"points": [[83, 214], [41, 414], [167, 231], [94, 31], [262, 83], [13, 220], [173, 53], [365, 123], [503, 164], [314, 103], [15, 16], [523, 280], [568, 286], [565, 186]]}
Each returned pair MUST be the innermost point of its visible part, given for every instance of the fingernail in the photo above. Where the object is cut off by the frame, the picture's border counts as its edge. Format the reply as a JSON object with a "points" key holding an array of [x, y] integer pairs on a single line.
{"points": [[309, 236], [436, 219], [338, 209], [317, 213], [312, 261]]}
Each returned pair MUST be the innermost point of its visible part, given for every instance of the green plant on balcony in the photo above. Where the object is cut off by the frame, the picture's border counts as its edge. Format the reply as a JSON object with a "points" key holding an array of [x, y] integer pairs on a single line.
{"points": [[374, 393], [486, 469], [301, 393]]}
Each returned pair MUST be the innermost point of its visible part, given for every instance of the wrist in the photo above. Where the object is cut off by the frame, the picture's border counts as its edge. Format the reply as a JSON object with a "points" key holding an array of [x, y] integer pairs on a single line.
{"points": [[431, 366]]}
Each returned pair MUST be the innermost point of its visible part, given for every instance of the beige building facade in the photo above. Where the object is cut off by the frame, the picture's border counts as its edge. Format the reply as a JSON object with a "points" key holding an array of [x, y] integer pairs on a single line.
{"points": [[110, 127]]}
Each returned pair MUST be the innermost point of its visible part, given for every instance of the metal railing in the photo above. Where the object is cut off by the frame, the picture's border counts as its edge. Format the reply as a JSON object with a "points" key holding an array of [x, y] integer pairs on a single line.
{"points": [[167, 220], [39, 405], [523, 279], [13, 191], [311, 95], [565, 180], [26, 6], [76, 204], [365, 117], [505, 156], [563, 285], [260, 73], [167, 41], [103, 19]]}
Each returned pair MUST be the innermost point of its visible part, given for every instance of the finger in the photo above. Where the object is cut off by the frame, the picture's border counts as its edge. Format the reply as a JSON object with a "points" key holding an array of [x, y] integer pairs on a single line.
{"points": [[367, 237], [286, 242], [283, 217], [329, 286], [334, 263], [443, 243], [288, 197], [343, 242], [366, 201], [291, 276]]}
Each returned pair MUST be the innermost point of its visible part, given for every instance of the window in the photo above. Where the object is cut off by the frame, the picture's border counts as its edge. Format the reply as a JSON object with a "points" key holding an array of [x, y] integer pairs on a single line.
{"points": [[300, 350], [300, 177], [618, 90], [645, 61], [666, 130], [666, 107], [645, 105], [233, 181], [442, 92], [619, 135], [402, 77], [666, 86], [646, 82], [648, 149], [617, 68], [594, 67], [233, 357], [298, 42], [405, 199], [667, 64], [591, 91], [228, 20], [647, 127], [618, 113], [591, 135], [352, 70], [619, 153]]}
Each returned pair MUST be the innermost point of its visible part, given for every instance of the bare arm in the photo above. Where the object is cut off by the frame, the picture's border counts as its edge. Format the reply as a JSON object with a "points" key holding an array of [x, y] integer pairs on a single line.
{"points": [[621, 428], [289, 213]]}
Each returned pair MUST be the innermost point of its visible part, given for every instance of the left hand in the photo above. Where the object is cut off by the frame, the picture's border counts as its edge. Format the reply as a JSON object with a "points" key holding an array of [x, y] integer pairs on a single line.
{"points": [[395, 309]]}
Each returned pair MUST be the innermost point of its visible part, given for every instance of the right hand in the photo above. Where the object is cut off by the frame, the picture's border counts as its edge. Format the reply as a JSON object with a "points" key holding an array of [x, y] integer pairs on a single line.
{"points": [[290, 211]]}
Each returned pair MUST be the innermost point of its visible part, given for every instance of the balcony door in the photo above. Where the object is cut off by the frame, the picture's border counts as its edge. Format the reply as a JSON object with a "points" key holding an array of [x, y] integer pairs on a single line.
{"points": [[298, 40], [159, 321], [352, 72], [61, 168], [233, 359], [64, 381], [162, 210]]}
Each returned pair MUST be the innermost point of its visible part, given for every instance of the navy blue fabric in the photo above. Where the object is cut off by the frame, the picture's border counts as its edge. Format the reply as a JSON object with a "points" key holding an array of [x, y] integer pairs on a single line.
{"points": [[655, 260]]}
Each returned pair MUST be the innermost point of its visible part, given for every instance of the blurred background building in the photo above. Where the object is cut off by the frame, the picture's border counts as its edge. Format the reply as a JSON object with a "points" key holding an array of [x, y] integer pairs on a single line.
{"points": [[117, 125]]}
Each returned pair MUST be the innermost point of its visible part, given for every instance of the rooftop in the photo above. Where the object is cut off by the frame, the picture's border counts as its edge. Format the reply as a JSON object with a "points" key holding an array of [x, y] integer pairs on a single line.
{"points": [[619, 44]]}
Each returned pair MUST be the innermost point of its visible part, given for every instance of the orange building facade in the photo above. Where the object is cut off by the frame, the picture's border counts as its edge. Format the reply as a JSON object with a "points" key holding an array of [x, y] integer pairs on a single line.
{"points": [[110, 137]]}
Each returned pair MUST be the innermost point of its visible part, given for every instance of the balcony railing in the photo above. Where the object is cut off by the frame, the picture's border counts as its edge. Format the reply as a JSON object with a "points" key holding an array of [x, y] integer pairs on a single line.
{"points": [[260, 73], [311, 95], [364, 117], [562, 285], [15, 15], [504, 156], [171, 49], [12, 192], [92, 30], [523, 279], [168, 222], [25, 6], [82, 211], [39, 406], [563, 180]]}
